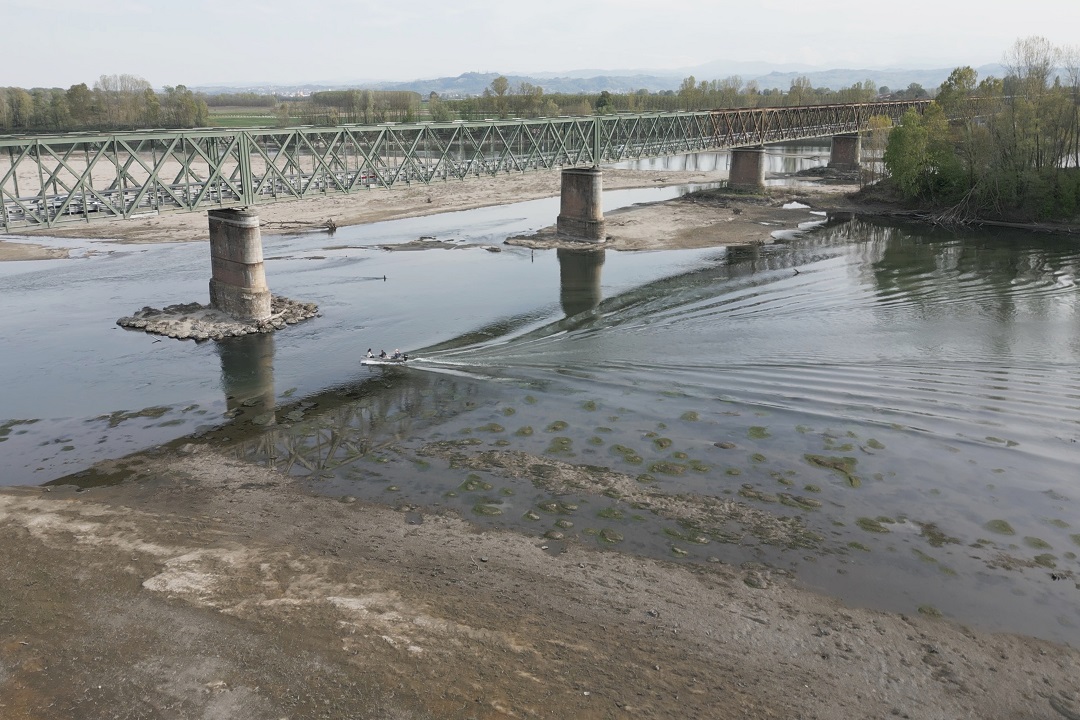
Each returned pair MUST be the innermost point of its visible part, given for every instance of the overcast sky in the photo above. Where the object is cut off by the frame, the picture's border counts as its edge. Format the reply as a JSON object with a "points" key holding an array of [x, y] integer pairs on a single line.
{"points": [[57, 43]]}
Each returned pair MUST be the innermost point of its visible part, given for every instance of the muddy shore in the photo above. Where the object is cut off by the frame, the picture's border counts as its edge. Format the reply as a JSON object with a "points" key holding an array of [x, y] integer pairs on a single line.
{"points": [[204, 587]]}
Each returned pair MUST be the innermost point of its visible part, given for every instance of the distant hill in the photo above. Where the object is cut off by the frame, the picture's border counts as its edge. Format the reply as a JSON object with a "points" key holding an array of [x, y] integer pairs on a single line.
{"points": [[474, 83]]}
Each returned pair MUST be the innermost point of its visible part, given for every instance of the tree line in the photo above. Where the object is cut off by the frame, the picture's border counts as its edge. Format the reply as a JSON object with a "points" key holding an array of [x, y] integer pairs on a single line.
{"points": [[996, 147], [118, 102], [501, 100], [114, 102]]}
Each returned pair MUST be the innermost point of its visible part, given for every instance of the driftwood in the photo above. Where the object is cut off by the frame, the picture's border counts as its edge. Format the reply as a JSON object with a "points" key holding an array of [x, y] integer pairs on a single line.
{"points": [[300, 226], [948, 218]]}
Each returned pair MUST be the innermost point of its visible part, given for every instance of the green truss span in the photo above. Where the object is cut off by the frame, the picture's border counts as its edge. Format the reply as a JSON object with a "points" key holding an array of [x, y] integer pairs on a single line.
{"points": [[46, 180]]}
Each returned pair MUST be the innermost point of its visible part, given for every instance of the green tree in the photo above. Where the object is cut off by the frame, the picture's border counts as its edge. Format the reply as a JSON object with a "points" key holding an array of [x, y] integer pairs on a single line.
{"points": [[906, 156]]}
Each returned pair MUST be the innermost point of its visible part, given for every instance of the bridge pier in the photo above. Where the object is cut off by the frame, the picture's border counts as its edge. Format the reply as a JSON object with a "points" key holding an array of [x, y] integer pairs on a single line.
{"points": [[846, 153], [238, 283], [581, 209], [747, 170]]}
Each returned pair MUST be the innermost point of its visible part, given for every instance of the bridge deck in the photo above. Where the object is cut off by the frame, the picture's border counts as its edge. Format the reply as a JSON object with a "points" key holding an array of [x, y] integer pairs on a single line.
{"points": [[50, 179]]}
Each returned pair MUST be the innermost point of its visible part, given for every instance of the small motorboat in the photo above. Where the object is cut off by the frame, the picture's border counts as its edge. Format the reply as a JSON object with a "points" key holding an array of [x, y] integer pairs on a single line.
{"points": [[385, 361], [398, 358]]}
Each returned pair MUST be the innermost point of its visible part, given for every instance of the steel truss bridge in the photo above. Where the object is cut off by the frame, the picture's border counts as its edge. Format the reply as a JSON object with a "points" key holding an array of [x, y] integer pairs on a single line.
{"points": [[50, 179]]}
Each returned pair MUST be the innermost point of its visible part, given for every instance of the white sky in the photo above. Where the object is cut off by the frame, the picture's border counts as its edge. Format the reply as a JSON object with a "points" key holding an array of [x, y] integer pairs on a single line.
{"points": [[56, 43]]}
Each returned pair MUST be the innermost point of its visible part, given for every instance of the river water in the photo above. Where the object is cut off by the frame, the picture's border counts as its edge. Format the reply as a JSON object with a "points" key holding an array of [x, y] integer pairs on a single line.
{"points": [[920, 387]]}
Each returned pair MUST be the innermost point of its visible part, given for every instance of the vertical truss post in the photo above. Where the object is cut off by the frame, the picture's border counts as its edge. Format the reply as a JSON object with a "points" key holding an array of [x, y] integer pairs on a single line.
{"points": [[596, 141], [247, 182]]}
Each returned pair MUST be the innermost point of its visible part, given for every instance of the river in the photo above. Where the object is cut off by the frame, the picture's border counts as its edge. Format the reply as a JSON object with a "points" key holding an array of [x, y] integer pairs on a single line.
{"points": [[910, 395]]}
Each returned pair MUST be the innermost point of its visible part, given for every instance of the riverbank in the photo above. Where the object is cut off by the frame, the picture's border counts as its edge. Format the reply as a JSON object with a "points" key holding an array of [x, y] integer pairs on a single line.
{"points": [[686, 224], [204, 587], [209, 588]]}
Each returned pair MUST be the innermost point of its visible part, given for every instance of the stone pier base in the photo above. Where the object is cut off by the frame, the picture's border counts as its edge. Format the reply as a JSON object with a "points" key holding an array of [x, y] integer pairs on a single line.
{"points": [[846, 152], [747, 171], [581, 212], [238, 281]]}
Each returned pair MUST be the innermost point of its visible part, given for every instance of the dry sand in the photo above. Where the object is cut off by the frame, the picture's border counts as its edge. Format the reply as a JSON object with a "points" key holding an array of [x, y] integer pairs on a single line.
{"points": [[207, 588]]}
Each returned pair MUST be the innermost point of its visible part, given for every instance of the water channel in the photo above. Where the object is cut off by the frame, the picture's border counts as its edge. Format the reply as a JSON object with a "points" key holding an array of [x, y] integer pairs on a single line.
{"points": [[910, 396]]}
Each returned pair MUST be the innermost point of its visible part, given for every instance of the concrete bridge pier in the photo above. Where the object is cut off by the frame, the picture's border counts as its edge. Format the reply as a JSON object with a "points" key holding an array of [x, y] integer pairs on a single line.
{"points": [[581, 210], [747, 170], [846, 152], [238, 283]]}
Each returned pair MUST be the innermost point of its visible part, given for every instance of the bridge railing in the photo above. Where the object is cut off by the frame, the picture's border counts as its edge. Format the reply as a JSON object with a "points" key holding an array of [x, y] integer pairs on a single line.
{"points": [[46, 180]]}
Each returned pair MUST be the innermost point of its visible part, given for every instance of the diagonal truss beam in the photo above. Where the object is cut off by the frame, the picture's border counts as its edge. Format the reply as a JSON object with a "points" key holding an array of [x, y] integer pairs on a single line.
{"points": [[47, 180]]}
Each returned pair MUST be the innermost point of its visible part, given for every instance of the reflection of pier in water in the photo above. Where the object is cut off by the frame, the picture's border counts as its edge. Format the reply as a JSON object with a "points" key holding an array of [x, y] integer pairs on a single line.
{"points": [[579, 280], [247, 375]]}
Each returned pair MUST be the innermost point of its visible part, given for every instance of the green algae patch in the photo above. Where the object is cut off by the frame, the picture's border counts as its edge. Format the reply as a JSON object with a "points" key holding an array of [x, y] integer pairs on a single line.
{"points": [[610, 536], [844, 466], [564, 523], [524, 431], [530, 400], [1058, 523], [628, 454], [750, 493], [871, 525], [1075, 539], [597, 441], [679, 455], [858, 546], [647, 478], [803, 429], [934, 535], [561, 445], [473, 483], [603, 429], [690, 416], [492, 428], [812, 488], [1000, 527], [557, 426], [734, 472], [758, 458], [509, 411], [610, 514], [487, 510], [114, 419], [530, 516], [1037, 543], [555, 507], [589, 406], [929, 611], [799, 502], [874, 444], [1046, 560], [668, 468], [700, 467], [662, 443], [758, 432]]}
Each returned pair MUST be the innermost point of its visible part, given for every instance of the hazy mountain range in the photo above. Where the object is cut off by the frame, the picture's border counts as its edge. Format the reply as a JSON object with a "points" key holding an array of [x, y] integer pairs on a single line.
{"points": [[622, 81]]}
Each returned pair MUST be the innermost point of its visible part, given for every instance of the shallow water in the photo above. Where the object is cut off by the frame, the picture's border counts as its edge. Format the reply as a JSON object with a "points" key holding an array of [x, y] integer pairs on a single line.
{"points": [[922, 387]]}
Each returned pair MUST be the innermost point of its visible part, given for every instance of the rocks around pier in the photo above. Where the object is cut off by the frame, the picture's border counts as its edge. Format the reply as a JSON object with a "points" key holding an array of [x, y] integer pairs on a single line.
{"points": [[192, 321]]}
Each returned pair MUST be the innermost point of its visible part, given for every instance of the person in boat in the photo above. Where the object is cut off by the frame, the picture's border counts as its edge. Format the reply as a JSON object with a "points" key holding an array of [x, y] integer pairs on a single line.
{"points": [[382, 354], [396, 355], [370, 354]]}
